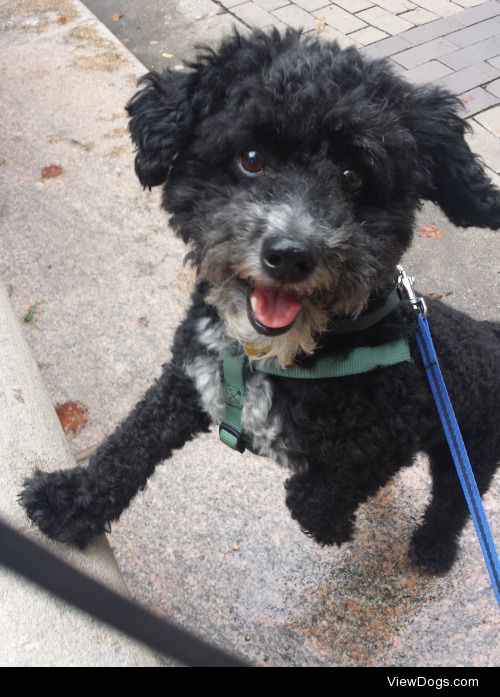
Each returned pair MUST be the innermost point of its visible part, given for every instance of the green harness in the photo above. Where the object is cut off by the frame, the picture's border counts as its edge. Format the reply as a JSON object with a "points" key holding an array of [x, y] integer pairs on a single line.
{"points": [[236, 367]]}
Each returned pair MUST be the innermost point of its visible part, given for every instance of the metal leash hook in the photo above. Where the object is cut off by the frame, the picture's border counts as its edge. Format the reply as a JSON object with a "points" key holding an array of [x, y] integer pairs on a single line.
{"points": [[406, 282]]}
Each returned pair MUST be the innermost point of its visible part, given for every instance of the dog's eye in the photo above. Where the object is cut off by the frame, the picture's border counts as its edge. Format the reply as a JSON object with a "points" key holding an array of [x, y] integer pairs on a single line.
{"points": [[251, 162], [352, 180]]}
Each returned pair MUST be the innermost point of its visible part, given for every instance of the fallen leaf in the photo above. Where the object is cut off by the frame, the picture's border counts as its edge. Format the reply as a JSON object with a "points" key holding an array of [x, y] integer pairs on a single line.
{"points": [[62, 20], [430, 230], [73, 416], [30, 315], [321, 25], [167, 55], [52, 171], [116, 16], [235, 547], [439, 296]]}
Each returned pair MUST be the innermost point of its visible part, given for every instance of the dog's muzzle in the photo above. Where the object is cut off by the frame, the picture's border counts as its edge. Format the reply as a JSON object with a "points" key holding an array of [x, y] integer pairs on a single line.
{"points": [[273, 309]]}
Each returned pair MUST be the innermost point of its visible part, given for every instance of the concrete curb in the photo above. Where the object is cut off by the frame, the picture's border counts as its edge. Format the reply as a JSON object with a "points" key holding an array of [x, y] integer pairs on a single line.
{"points": [[40, 630]]}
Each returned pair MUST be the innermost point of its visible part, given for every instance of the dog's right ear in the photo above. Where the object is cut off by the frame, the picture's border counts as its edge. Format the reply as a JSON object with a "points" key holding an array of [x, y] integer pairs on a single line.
{"points": [[160, 123]]}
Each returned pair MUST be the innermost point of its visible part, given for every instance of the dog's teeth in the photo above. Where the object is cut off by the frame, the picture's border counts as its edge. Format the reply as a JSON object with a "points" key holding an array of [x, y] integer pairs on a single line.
{"points": [[253, 303]]}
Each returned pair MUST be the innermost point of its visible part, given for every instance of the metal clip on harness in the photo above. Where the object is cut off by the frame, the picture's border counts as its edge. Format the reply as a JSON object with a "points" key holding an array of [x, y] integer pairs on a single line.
{"points": [[406, 282]]}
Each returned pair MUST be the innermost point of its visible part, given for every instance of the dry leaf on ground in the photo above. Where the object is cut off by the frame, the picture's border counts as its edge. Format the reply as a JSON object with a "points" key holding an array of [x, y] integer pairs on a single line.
{"points": [[52, 171], [321, 25], [116, 16], [430, 230], [73, 416], [439, 296]]}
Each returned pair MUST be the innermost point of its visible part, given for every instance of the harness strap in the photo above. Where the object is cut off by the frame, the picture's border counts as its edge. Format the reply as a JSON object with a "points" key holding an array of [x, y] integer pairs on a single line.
{"points": [[230, 430], [360, 360]]}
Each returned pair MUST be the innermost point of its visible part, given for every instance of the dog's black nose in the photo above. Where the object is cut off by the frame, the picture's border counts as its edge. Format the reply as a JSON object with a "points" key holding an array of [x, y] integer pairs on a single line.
{"points": [[286, 260]]}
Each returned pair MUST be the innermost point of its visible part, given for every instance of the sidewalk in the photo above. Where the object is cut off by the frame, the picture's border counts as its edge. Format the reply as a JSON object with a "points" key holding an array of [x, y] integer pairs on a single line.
{"points": [[210, 542]]}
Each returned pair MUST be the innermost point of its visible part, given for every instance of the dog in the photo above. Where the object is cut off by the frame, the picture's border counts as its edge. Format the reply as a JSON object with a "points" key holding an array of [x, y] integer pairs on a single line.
{"points": [[293, 170]]}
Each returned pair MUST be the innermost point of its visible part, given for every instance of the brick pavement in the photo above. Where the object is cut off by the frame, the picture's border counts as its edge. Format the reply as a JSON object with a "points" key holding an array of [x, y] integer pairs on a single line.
{"points": [[455, 44]]}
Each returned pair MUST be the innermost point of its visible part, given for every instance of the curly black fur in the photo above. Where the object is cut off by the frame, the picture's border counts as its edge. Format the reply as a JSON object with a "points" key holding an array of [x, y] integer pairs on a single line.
{"points": [[313, 110]]}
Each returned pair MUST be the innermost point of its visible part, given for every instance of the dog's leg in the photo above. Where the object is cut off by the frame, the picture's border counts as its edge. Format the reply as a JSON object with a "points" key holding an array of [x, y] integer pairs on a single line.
{"points": [[434, 544], [325, 504], [74, 505], [324, 509]]}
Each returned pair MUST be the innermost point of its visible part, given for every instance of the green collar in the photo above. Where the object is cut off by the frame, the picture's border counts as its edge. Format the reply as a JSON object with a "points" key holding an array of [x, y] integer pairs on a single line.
{"points": [[363, 359], [360, 360]]}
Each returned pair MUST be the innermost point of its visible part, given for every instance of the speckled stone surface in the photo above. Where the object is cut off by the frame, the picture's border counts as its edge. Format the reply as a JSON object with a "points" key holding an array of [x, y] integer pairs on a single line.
{"points": [[209, 542]]}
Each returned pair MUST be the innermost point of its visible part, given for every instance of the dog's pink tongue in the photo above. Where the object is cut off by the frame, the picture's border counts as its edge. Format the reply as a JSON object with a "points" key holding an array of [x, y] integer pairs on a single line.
{"points": [[275, 307]]}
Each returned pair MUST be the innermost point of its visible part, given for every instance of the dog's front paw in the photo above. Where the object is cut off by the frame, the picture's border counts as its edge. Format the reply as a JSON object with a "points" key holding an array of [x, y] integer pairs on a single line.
{"points": [[314, 509], [59, 503], [431, 553], [334, 533]]}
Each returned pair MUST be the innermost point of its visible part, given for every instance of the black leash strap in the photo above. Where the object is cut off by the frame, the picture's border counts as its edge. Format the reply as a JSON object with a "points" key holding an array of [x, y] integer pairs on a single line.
{"points": [[36, 564]]}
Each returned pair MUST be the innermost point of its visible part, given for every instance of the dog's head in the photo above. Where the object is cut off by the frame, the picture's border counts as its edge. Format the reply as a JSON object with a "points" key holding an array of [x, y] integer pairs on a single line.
{"points": [[294, 170]]}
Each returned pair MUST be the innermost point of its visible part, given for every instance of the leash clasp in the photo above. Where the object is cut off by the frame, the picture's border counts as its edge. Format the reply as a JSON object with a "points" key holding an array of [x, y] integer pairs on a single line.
{"points": [[406, 282]]}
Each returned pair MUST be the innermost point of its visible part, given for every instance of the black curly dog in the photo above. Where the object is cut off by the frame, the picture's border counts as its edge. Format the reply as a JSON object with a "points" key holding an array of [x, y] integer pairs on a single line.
{"points": [[293, 169]]}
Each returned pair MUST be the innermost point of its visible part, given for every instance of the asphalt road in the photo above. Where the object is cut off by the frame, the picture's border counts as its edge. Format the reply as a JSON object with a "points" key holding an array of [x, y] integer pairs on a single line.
{"points": [[162, 33]]}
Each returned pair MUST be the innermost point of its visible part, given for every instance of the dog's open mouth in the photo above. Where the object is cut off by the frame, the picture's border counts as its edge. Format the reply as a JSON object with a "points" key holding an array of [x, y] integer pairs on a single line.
{"points": [[272, 310]]}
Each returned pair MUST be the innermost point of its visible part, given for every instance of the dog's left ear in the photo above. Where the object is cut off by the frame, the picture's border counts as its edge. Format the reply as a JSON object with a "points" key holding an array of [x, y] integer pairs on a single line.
{"points": [[454, 177], [160, 123]]}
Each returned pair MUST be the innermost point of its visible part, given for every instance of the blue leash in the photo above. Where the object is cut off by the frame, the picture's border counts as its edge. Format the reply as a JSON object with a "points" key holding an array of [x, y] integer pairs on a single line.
{"points": [[453, 435]]}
